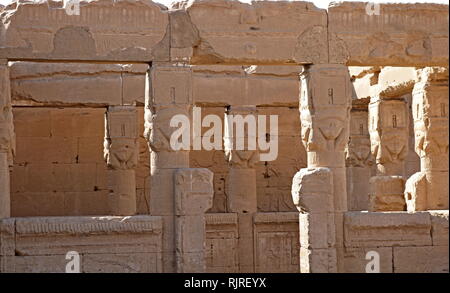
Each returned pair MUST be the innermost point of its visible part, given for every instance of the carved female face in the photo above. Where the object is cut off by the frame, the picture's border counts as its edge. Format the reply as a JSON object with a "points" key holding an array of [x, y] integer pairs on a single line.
{"points": [[123, 149]]}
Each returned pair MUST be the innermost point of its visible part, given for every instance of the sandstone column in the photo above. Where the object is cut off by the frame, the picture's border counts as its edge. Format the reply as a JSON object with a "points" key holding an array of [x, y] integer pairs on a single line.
{"points": [[325, 103], [193, 197], [121, 152], [7, 140], [358, 158], [241, 180], [312, 193], [388, 128], [428, 189], [168, 93]]}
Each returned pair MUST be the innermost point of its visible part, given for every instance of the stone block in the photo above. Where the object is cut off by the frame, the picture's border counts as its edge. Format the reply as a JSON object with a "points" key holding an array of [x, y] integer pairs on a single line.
{"points": [[422, 259], [66, 90], [78, 122], [7, 237], [171, 85], [133, 89], [386, 194], [40, 178], [356, 262], [276, 242], [90, 150], [34, 204], [162, 182], [318, 260], [92, 235], [439, 227], [104, 30], [46, 150], [361, 35], [36, 264], [189, 234], [74, 177], [235, 85], [312, 190], [122, 263], [193, 191], [221, 251], [122, 192], [313, 229], [32, 122], [242, 195], [384, 229], [232, 31], [92, 203]]}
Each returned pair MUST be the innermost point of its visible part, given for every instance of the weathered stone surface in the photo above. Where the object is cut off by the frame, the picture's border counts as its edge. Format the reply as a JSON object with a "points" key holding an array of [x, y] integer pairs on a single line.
{"points": [[276, 240], [263, 32], [7, 139], [394, 35], [7, 241], [385, 229], [425, 259], [35, 264], [193, 197], [388, 128], [358, 158], [105, 244], [428, 189], [312, 190], [261, 85], [439, 227], [356, 262], [66, 84], [386, 194], [68, 72], [121, 152], [104, 30], [318, 260], [222, 243], [325, 103], [121, 263], [87, 235]]}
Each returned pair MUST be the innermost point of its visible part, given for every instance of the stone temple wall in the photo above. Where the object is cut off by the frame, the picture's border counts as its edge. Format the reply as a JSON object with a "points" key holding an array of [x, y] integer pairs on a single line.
{"points": [[405, 242], [86, 164]]}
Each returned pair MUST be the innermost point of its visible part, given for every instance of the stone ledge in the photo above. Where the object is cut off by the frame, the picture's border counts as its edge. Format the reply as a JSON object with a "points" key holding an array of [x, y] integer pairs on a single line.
{"points": [[276, 217], [88, 225], [221, 219], [380, 229]]}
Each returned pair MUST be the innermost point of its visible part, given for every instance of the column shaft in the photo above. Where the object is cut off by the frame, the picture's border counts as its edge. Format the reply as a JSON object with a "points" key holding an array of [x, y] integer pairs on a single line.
{"points": [[194, 193], [7, 140], [241, 180], [325, 103], [168, 95], [428, 189]]}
